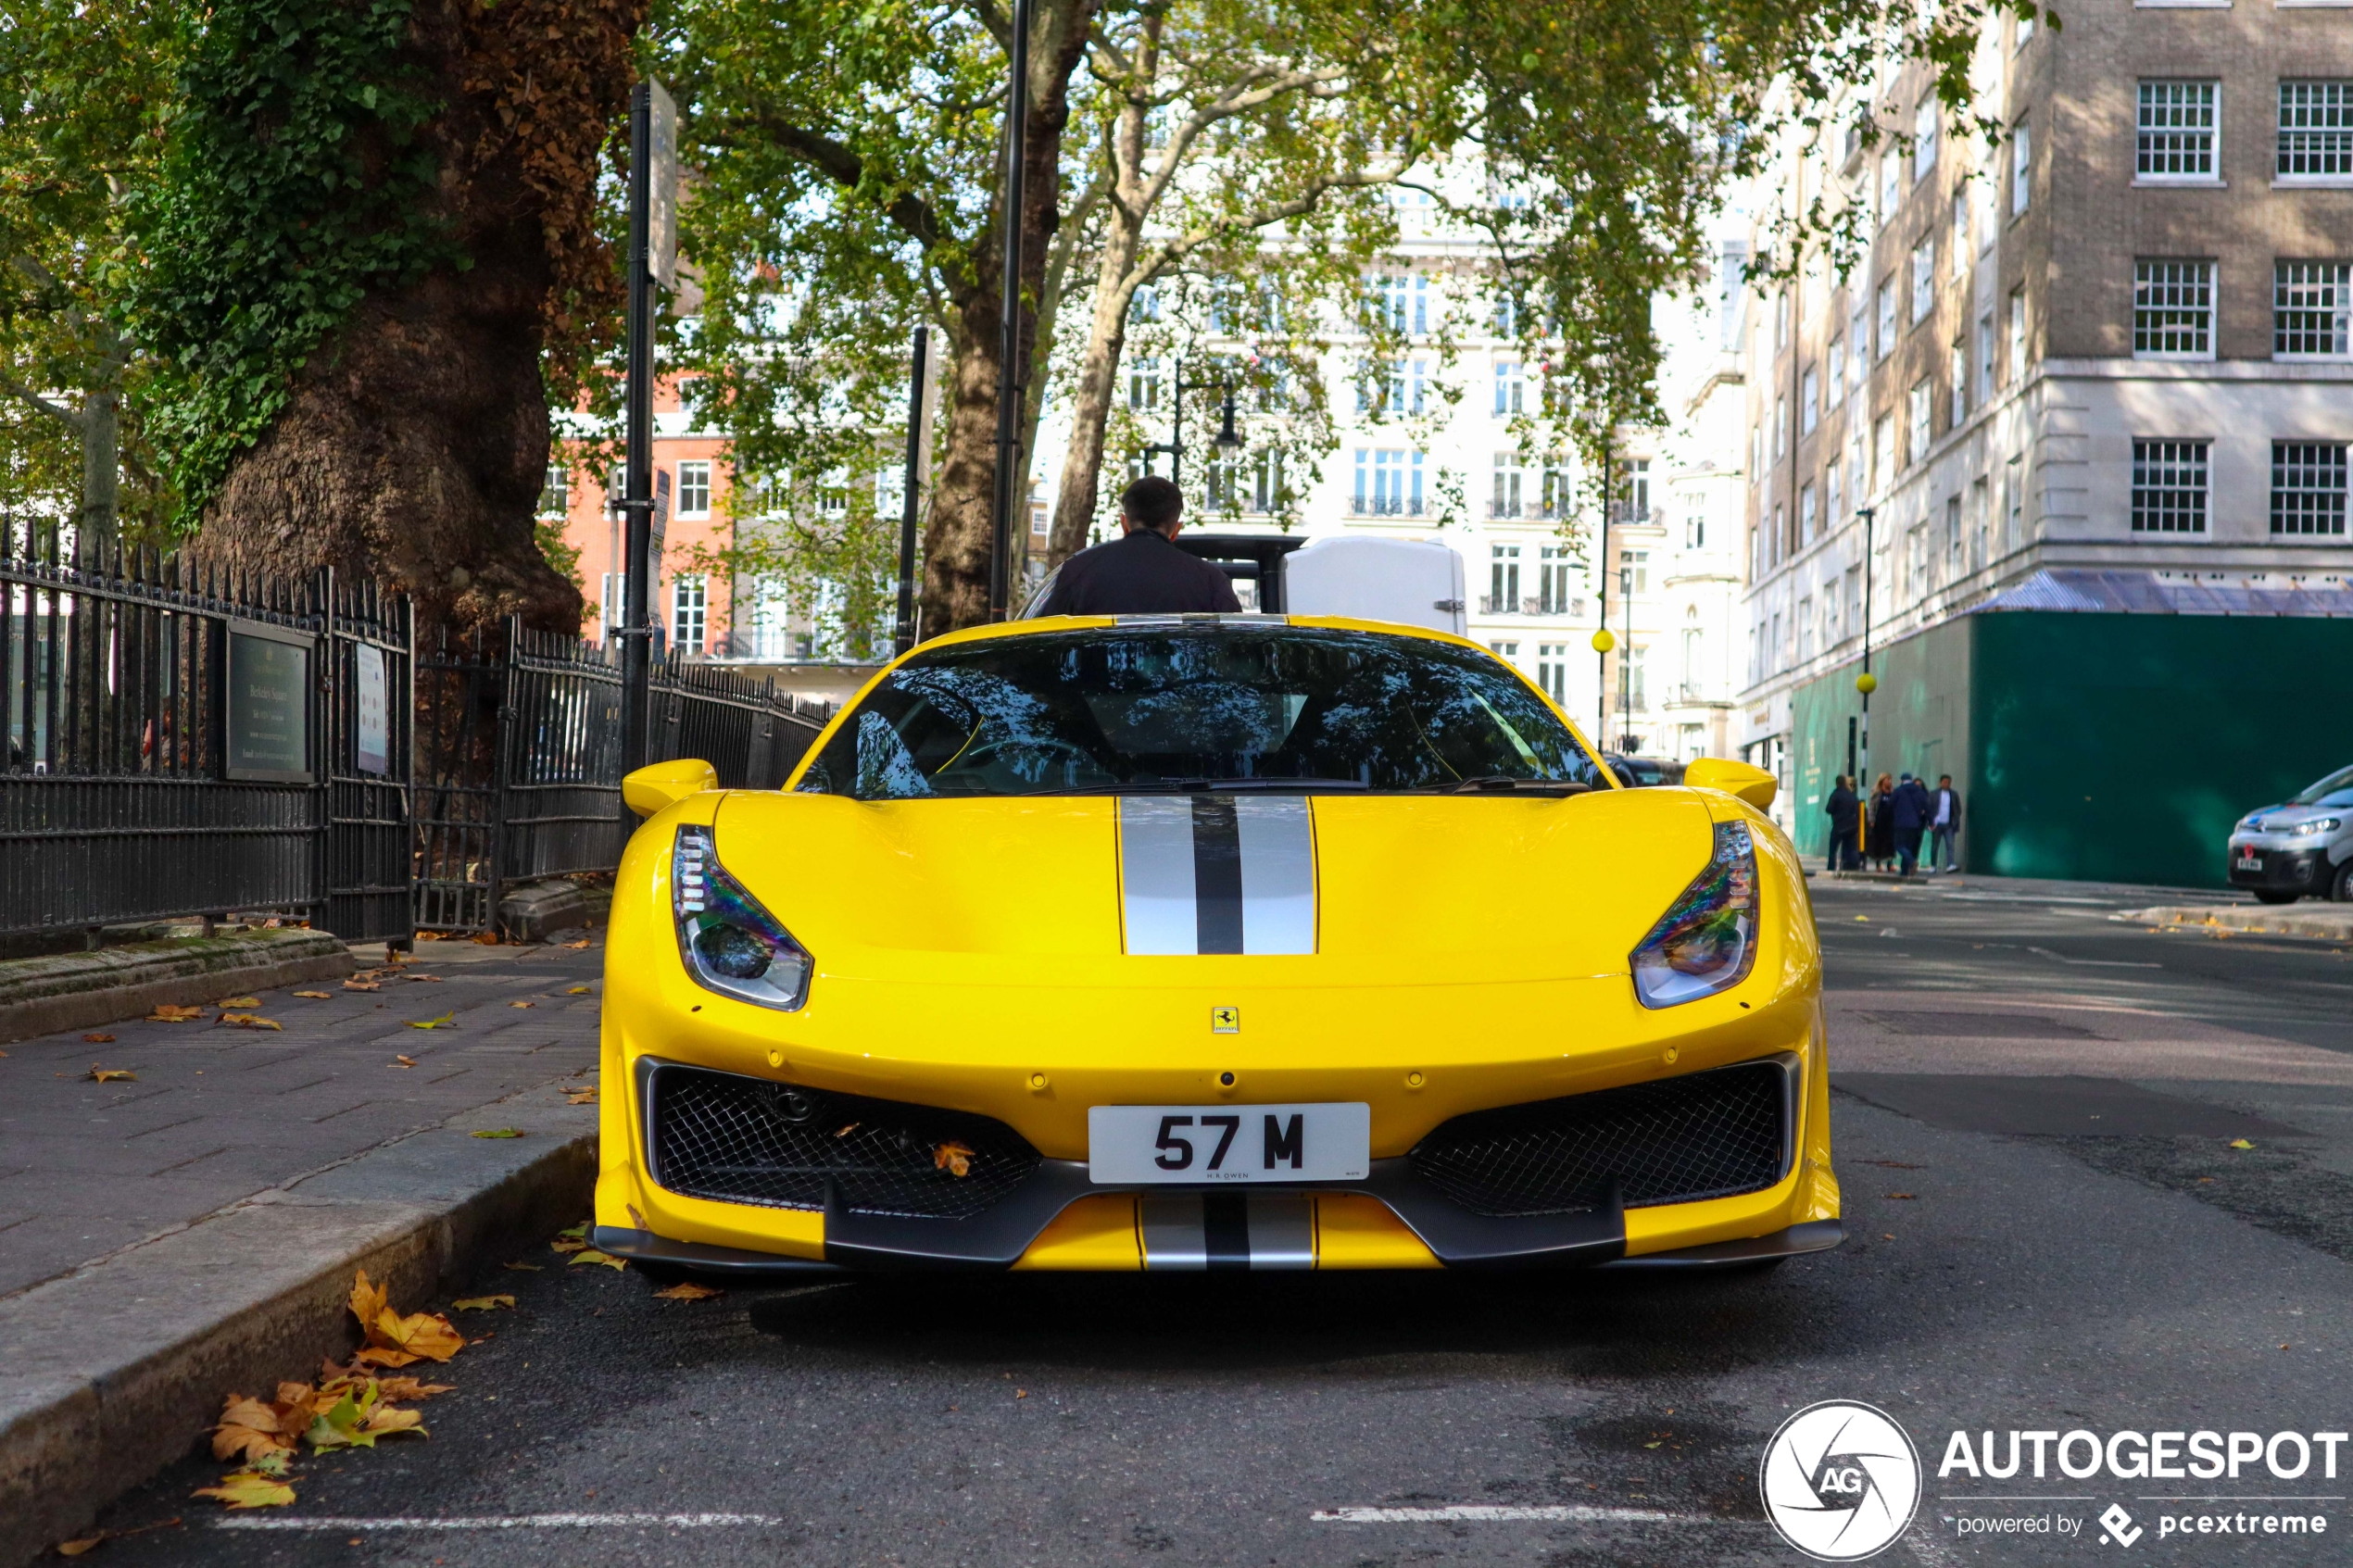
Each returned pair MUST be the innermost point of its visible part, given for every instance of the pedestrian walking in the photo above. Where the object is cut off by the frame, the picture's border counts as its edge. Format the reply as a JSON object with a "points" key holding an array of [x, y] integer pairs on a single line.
{"points": [[1880, 845], [1944, 823], [1843, 807], [1909, 807]]}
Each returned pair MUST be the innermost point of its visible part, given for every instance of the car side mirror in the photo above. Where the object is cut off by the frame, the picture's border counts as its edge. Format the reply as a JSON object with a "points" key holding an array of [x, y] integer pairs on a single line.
{"points": [[1753, 785], [665, 784]]}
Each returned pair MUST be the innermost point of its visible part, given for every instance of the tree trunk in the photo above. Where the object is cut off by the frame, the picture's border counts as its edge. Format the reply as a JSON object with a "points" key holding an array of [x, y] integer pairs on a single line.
{"points": [[417, 441], [102, 462], [958, 533], [1091, 397]]}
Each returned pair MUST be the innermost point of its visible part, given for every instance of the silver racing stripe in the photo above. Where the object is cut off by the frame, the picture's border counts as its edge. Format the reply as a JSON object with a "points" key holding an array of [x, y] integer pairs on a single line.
{"points": [[1217, 874], [1191, 1231]]}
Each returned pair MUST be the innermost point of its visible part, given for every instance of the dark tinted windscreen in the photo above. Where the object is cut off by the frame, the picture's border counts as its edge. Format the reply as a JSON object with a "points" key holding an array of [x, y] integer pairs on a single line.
{"points": [[1148, 709]]}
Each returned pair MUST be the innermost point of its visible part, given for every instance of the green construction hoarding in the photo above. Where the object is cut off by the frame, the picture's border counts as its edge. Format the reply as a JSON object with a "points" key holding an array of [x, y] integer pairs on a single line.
{"points": [[2094, 746]]}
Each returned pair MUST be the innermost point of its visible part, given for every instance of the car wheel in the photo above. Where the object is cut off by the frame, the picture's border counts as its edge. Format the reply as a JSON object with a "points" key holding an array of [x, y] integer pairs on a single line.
{"points": [[2341, 890], [2275, 895]]}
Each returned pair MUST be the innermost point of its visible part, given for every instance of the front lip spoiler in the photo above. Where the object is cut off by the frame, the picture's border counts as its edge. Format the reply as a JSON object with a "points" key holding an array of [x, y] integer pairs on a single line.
{"points": [[1813, 1236]]}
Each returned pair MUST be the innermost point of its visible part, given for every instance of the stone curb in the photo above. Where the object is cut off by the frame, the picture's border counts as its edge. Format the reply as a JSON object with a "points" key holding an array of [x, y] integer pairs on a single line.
{"points": [[537, 910], [112, 1372], [2324, 922], [75, 990]]}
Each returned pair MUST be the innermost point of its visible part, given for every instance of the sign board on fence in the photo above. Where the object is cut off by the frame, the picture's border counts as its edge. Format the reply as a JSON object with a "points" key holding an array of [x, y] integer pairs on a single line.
{"points": [[372, 731], [267, 720]]}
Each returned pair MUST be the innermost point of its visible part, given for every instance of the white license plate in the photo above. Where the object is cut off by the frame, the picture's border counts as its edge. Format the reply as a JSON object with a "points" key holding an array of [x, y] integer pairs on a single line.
{"points": [[2249, 860], [1131, 1144]]}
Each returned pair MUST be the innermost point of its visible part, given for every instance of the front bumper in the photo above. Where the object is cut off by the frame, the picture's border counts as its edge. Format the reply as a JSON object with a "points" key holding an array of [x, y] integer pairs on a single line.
{"points": [[2284, 871]]}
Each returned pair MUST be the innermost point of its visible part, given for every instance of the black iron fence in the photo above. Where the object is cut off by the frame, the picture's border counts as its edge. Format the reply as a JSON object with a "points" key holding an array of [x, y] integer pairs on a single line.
{"points": [[187, 741]]}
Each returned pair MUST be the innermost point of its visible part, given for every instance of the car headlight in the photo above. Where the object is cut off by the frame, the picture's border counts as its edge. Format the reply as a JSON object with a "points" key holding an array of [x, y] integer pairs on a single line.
{"points": [[1707, 941], [729, 944], [2317, 824]]}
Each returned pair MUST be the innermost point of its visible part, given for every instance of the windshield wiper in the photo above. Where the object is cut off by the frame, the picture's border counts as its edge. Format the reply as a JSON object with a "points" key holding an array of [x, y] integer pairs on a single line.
{"points": [[1505, 783]]}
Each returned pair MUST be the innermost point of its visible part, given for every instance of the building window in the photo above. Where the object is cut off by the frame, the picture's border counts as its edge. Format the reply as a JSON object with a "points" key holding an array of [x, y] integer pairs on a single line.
{"points": [[1960, 368], [1809, 399], [1858, 337], [1883, 451], [1886, 317], [1923, 279], [1953, 530], [1960, 229], [1891, 185], [832, 494], [555, 497], [2174, 309], [1780, 319], [1834, 508], [2168, 486], [1806, 517], [2316, 129], [2311, 305], [1388, 483], [694, 488], [1984, 359], [1267, 491], [1506, 316], [2175, 131], [1834, 379], [2022, 167], [1924, 122], [2308, 488], [1694, 525], [1402, 302], [1552, 671], [1557, 498], [1505, 651], [1143, 386], [1553, 579], [1505, 501], [1780, 427], [1634, 490], [1918, 409], [1637, 683], [1634, 565], [1805, 627], [2018, 333], [1508, 387], [688, 605]]}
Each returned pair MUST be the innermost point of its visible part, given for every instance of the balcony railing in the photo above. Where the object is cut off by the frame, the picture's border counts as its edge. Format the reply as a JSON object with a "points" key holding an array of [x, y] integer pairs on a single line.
{"points": [[1390, 506], [1529, 604], [1545, 510]]}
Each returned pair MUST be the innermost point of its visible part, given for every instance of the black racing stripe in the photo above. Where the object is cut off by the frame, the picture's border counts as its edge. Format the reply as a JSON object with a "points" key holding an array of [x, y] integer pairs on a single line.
{"points": [[1224, 1224], [1217, 875]]}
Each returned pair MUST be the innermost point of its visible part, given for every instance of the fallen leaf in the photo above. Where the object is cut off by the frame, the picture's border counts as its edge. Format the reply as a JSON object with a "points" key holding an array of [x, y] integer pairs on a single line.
{"points": [[404, 1061], [1907, 1197], [590, 1255], [447, 1021], [394, 1339], [238, 1002], [75, 1548], [358, 1417], [250, 1429], [111, 1075], [406, 1387], [361, 985], [575, 990], [487, 939], [316, 995], [576, 946], [522, 1268], [953, 1157], [249, 1488], [482, 1303], [2235, 1143], [498, 1133], [687, 1290], [167, 1013], [586, 1097], [523, 1004], [1021, 1393], [250, 1021], [845, 1132], [99, 1039], [422, 979]]}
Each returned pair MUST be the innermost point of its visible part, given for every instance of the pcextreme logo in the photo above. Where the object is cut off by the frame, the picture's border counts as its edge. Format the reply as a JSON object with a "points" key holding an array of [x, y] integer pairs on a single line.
{"points": [[1840, 1481]]}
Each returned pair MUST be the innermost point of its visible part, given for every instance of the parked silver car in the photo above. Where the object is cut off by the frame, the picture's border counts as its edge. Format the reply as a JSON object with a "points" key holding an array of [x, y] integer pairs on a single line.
{"points": [[2302, 846]]}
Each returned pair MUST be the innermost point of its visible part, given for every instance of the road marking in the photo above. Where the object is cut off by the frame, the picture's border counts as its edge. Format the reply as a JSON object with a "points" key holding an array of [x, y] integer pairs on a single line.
{"points": [[1479, 1512], [512, 1522]]}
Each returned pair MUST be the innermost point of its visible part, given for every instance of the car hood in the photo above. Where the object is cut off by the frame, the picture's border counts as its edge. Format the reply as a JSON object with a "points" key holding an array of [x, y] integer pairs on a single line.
{"points": [[1395, 889], [2279, 819]]}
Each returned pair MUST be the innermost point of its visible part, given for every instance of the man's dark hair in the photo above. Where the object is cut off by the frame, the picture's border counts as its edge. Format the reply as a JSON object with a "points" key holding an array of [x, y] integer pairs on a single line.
{"points": [[1152, 502], [1944, 778]]}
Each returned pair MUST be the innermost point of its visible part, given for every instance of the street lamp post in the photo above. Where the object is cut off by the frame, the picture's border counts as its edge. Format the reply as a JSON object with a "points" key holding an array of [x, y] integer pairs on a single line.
{"points": [[1010, 378], [1224, 441], [1866, 683]]}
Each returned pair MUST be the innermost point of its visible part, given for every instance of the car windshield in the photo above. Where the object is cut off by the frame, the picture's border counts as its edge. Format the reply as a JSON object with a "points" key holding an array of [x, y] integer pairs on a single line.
{"points": [[2333, 791], [1138, 708]]}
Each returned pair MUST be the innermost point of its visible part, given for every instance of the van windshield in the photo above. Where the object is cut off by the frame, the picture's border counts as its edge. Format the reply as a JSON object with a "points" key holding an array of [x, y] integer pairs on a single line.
{"points": [[2333, 791], [1140, 710]]}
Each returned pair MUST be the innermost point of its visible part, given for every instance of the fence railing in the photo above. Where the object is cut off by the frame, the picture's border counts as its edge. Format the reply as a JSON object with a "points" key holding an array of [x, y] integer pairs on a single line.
{"points": [[190, 741], [184, 741]]}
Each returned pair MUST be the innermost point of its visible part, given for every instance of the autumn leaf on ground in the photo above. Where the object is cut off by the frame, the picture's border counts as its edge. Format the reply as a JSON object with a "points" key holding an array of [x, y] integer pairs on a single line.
{"points": [[422, 979], [575, 990], [498, 1133], [487, 939], [249, 1488], [361, 985], [953, 1157], [522, 1268], [523, 1004], [2241, 1143], [87, 1543], [404, 1062], [576, 946], [581, 1096], [447, 1021], [687, 1290], [394, 1339], [358, 1418], [238, 1002], [250, 1021], [406, 1387], [250, 1429], [167, 1013], [590, 1255], [111, 1075], [315, 995], [482, 1303], [98, 1039]]}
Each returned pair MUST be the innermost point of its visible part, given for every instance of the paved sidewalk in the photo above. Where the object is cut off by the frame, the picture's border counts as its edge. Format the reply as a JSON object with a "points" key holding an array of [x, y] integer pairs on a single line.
{"points": [[217, 1113]]}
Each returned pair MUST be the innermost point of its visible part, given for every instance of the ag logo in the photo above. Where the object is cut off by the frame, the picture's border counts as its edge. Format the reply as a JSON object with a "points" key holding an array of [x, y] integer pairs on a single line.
{"points": [[1840, 1481]]}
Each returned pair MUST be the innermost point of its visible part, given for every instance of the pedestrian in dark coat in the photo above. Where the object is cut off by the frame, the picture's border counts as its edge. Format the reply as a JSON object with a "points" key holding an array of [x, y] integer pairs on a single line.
{"points": [[1944, 823], [1909, 807], [1843, 807], [1881, 843]]}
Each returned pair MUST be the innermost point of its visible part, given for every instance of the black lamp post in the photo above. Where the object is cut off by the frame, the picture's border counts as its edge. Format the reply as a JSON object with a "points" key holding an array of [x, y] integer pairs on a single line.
{"points": [[1227, 440], [1866, 683]]}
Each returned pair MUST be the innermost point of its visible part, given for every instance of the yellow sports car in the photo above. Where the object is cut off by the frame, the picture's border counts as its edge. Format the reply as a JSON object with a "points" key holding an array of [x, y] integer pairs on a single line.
{"points": [[1209, 942]]}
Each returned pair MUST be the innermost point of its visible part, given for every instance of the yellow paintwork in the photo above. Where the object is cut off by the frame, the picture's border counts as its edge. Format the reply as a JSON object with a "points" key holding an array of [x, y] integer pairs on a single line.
{"points": [[1471, 952]]}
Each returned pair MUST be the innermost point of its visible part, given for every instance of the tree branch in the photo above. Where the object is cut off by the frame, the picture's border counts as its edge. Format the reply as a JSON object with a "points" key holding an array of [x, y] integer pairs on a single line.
{"points": [[913, 215], [72, 420]]}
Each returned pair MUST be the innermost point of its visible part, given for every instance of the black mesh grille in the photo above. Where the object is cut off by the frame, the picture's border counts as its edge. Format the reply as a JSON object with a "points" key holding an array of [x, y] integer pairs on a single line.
{"points": [[742, 1140], [1709, 1135]]}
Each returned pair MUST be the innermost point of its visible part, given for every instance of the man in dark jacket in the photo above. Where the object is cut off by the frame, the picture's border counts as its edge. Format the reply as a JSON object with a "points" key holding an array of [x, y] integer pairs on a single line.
{"points": [[1141, 572], [1843, 806], [1911, 809], [1944, 823]]}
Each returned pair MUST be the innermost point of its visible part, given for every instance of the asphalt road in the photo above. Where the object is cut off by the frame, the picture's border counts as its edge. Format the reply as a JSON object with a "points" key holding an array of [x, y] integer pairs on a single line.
{"points": [[2049, 1231]]}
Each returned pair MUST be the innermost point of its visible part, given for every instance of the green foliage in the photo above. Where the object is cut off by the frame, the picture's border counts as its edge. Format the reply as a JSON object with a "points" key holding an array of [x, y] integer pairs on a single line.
{"points": [[293, 183]]}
